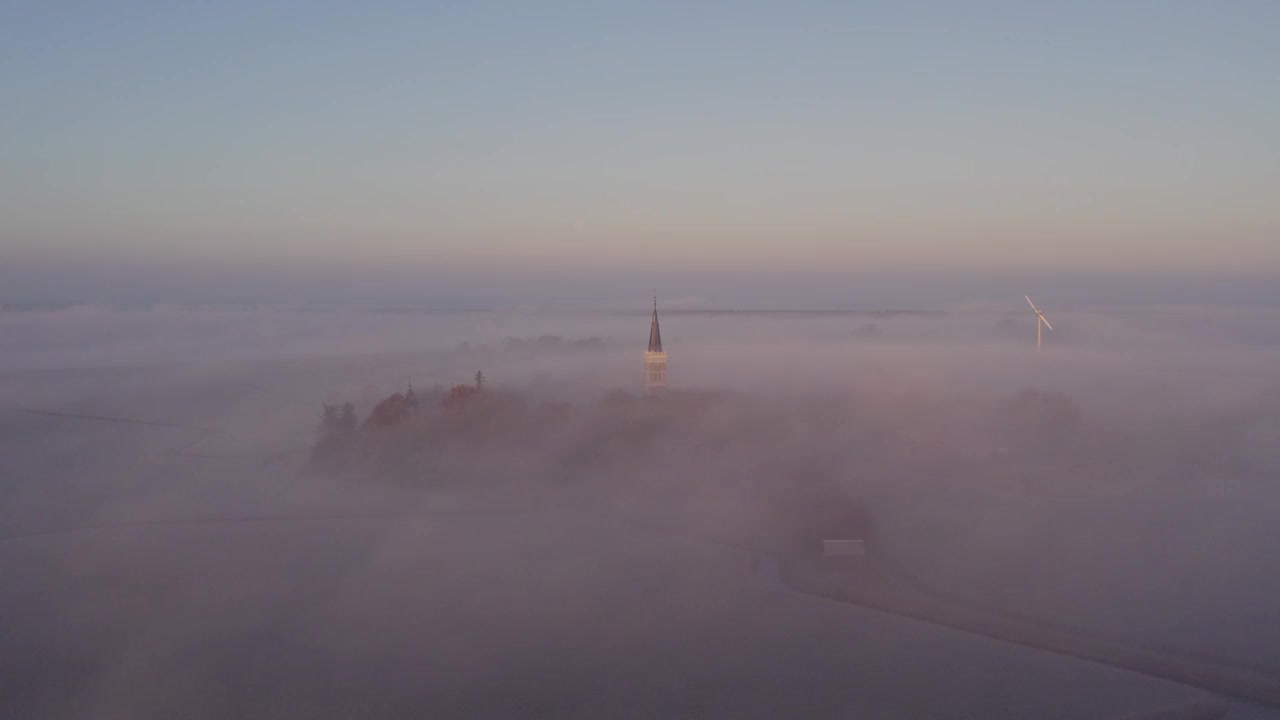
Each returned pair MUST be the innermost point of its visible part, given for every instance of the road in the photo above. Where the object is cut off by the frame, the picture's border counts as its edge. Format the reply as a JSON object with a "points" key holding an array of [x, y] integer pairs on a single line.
{"points": [[878, 583]]}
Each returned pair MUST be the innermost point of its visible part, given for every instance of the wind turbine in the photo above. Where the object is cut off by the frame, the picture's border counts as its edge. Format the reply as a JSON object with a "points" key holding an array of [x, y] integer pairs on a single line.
{"points": [[1040, 320]]}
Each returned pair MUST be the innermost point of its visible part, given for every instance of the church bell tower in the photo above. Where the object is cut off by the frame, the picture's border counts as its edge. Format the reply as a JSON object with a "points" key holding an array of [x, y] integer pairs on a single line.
{"points": [[655, 360]]}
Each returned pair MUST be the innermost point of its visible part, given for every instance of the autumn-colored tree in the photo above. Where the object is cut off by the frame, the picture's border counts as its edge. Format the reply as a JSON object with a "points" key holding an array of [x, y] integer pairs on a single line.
{"points": [[458, 395], [390, 411]]}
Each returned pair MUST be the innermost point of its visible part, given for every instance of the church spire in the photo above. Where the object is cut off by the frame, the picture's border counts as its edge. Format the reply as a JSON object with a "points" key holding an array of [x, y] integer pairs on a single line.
{"points": [[655, 360], [655, 336]]}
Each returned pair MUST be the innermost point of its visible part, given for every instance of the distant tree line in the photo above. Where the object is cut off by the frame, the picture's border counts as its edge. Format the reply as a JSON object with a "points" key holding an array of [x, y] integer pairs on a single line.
{"points": [[337, 421]]}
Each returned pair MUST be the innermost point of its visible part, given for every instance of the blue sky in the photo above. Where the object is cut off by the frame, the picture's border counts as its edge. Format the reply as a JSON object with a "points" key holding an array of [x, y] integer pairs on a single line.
{"points": [[563, 137]]}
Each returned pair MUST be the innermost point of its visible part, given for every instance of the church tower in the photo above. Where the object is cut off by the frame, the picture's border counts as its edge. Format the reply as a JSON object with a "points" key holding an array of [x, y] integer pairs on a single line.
{"points": [[655, 361]]}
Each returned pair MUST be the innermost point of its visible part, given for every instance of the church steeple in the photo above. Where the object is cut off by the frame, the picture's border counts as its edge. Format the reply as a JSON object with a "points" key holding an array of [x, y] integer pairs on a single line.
{"points": [[411, 400], [655, 335], [655, 360]]}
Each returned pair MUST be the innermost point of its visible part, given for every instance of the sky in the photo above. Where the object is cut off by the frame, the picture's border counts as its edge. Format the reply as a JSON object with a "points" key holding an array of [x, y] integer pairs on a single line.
{"points": [[563, 139]]}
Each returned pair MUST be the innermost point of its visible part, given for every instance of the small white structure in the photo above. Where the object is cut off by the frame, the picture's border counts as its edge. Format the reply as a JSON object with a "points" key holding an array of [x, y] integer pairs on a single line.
{"points": [[843, 548], [1041, 320]]}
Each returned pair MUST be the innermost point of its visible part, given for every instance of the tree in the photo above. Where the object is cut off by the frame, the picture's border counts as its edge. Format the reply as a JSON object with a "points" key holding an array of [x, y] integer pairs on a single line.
{"points": [[329, 420], [458, 394], [347, 422], [389, 411]]}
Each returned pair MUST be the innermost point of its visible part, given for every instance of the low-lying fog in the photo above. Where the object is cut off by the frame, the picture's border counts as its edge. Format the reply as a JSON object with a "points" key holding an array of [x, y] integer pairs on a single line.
{"points": [[198, 560]]}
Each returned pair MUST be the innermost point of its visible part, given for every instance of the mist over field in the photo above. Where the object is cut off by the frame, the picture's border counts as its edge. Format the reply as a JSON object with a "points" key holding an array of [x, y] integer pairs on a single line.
{"points": [[172, 545], [325, 390]]}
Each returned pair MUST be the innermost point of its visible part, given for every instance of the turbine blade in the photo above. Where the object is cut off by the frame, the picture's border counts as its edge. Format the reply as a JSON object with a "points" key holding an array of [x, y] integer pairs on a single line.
{"points": [[1033, 305], [1044, 319]]}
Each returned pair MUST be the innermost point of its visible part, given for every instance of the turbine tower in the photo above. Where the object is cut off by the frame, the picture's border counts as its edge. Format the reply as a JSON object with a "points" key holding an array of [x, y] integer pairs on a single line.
{"points": [[1040, 320], [655, 360]]}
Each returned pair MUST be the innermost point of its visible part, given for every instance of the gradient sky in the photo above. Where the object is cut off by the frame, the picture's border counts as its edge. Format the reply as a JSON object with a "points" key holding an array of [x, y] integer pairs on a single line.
{"points": [[1131, 136]]}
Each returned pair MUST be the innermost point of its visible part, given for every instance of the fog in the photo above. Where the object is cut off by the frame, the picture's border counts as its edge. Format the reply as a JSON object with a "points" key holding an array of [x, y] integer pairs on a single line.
{"points": [[176, 541]]}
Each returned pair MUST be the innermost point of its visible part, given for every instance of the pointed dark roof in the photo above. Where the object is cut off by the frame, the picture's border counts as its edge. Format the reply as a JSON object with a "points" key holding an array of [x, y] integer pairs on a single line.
{"points": [[655, 336]]}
